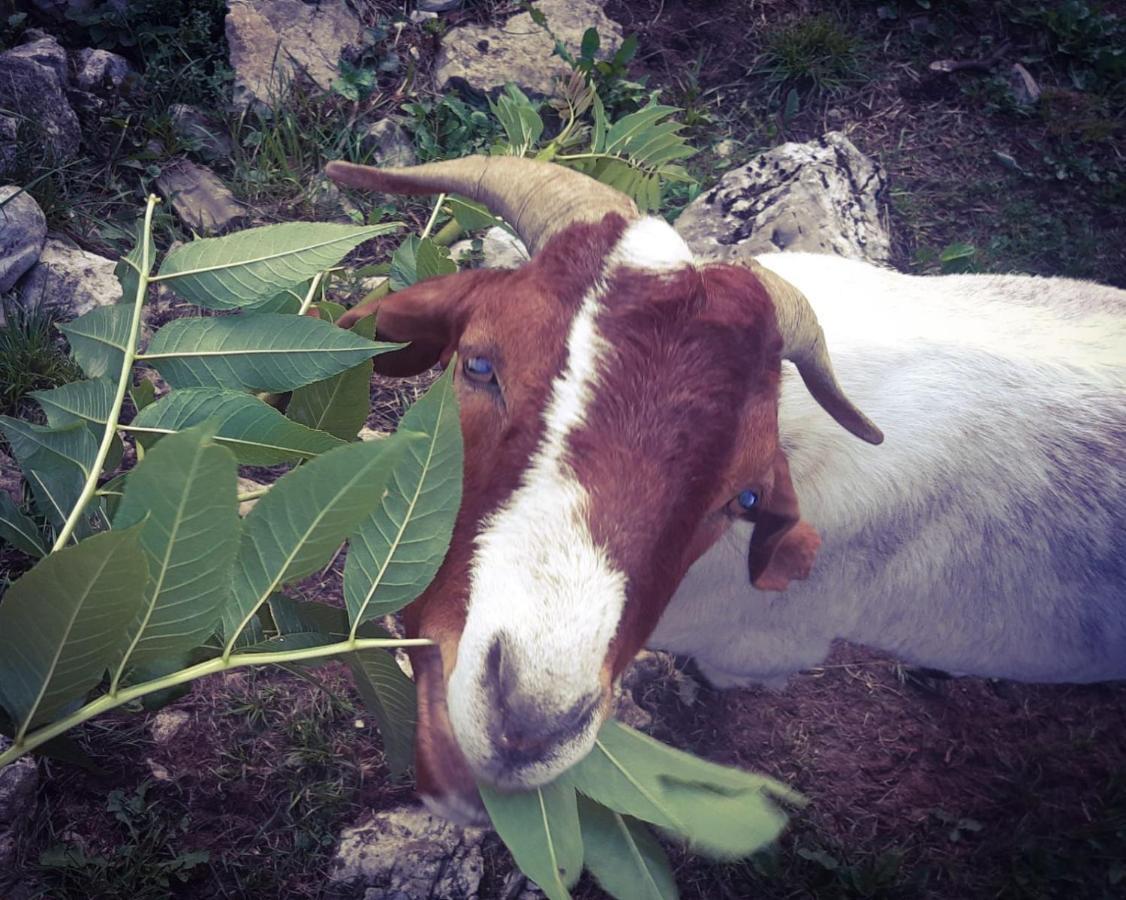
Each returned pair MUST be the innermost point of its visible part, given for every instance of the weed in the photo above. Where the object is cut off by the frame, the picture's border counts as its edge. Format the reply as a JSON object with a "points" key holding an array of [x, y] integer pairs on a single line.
{"points": [[451, 127], [31, 355], [813, 55]]}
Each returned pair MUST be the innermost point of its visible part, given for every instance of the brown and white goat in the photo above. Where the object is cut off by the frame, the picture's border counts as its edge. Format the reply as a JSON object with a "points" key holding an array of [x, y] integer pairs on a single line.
{"points": [[630, 436]]}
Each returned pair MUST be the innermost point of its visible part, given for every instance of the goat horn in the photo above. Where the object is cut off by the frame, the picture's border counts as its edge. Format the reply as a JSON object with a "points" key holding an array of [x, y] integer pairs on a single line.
{"points": [[803, 343], [538, 199]]}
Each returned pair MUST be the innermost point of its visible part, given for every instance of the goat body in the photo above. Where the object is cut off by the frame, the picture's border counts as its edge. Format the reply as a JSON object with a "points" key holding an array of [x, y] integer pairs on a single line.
{"points": [[987, 535]]}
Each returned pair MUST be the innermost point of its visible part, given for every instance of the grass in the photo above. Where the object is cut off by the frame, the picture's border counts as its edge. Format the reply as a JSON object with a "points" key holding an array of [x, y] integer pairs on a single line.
{"points": [[32, 357], [814, 55]]}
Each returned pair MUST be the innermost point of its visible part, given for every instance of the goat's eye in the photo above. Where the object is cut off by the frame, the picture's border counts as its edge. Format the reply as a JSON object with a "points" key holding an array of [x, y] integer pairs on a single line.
{"points": [[747, 500], [480, 369]]}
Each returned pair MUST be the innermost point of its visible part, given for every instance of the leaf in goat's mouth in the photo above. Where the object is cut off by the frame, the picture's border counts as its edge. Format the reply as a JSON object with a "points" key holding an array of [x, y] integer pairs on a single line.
{"points": [[627, 780]]}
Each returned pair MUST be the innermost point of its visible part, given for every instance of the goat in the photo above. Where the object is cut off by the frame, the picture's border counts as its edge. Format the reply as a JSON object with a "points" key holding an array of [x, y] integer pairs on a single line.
{"points": [[634, 454]]}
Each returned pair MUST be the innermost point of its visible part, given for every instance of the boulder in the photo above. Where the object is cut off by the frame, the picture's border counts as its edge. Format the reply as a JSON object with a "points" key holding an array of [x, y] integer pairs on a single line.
{"points": [[273, 41], [46, 51], [200, 132], [388, 143], [484, 59], [99, 71], [199, 198], [18, 783], [824, 196], [23, 229], [33, 91], [70, 281], [407, 852]]}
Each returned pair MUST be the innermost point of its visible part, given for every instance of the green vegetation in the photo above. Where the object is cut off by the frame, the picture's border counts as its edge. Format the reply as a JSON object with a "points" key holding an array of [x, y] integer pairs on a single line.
{"points": [[813, 55], [31, 355]]}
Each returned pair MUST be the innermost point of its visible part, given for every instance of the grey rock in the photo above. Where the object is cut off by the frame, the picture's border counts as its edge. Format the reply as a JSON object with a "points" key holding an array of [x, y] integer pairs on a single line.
{"points": [[70, 281], [499, 248], [100, 70], [407, 852], [18, 783], [437, 6], [45, 51], [388, 143], [824, 196], [33, 92], [166, 724], [273, 41], [200, 198], [485, 59], [23, 229], [200, 132], [1023, 87]]}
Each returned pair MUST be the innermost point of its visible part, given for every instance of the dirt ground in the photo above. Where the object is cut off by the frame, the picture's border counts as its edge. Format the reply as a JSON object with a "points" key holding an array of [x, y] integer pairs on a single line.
{"points": [[919, 786]]}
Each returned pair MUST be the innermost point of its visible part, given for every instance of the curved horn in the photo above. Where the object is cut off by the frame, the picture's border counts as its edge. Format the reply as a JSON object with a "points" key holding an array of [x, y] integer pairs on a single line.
{"points": [[803, 343], [538, 199]]}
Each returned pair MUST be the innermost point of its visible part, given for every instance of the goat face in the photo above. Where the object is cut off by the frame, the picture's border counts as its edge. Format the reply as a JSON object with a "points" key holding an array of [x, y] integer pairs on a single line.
{"points": [[614, 418], [618, 409]]}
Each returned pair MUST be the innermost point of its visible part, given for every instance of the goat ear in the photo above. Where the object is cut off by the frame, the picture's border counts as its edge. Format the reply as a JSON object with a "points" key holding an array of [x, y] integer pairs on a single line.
{"points": [[430, 315], [782, 545]]}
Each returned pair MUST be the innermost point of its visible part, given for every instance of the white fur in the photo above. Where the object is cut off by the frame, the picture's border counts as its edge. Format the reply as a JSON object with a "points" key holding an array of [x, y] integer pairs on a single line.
{"points": [[650, 244], [539, 579], [987, 534]]}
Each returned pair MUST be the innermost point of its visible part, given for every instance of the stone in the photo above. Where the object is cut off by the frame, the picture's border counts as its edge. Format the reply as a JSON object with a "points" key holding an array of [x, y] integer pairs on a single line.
{"points": [[166, 724], [9, 137], [100, 70], [273, 41], [70, 281], [437, 6], [19, 781], [200, 198], [407, 852], [629, 712], [1023, 87], [33, 92], [484, 59], [23, 229], [45, 51], [823, 196], [500, 249], [200, 133], [388, 143]]}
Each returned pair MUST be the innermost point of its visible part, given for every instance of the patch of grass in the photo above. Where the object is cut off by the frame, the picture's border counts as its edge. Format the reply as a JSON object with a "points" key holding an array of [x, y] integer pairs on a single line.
{"points": [[31, 356], [143, 857], [815, 55]]}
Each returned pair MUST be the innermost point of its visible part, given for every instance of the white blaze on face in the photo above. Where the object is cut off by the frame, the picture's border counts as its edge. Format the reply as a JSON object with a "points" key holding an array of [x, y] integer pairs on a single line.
{"points": [[538, 578]]}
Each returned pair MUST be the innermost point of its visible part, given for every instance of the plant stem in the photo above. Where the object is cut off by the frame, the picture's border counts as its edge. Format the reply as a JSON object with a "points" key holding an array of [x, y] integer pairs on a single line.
{"points": [[123, 380], [308, 301], [433, 217], [209, 667], [448, 233]]}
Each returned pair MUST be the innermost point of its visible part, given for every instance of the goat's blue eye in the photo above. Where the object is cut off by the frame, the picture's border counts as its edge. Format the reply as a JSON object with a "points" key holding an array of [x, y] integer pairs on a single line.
{"points": [[479, 368], [748, 499]]}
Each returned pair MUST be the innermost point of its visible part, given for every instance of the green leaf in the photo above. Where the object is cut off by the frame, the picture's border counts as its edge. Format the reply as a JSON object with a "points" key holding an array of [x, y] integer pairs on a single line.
{"points": [[722, 812], [55, 461], [598, 136], [418, 259], [266, 352], [128, 268], [399, 547], [519, 117], [541, 829], [629, 128], [17, 529], [254, 431], [143, 394], [470, 215], [185, 494], [62, 623], [307, 514], [98, 340], [86, 401], [340, 404], [389, 696], [590, 43], [623, 855], [257, 264]]}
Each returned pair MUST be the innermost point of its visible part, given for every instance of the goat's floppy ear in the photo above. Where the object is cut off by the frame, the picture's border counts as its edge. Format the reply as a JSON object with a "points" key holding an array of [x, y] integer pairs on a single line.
{"points": [[782, 546], [429, 315]]}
